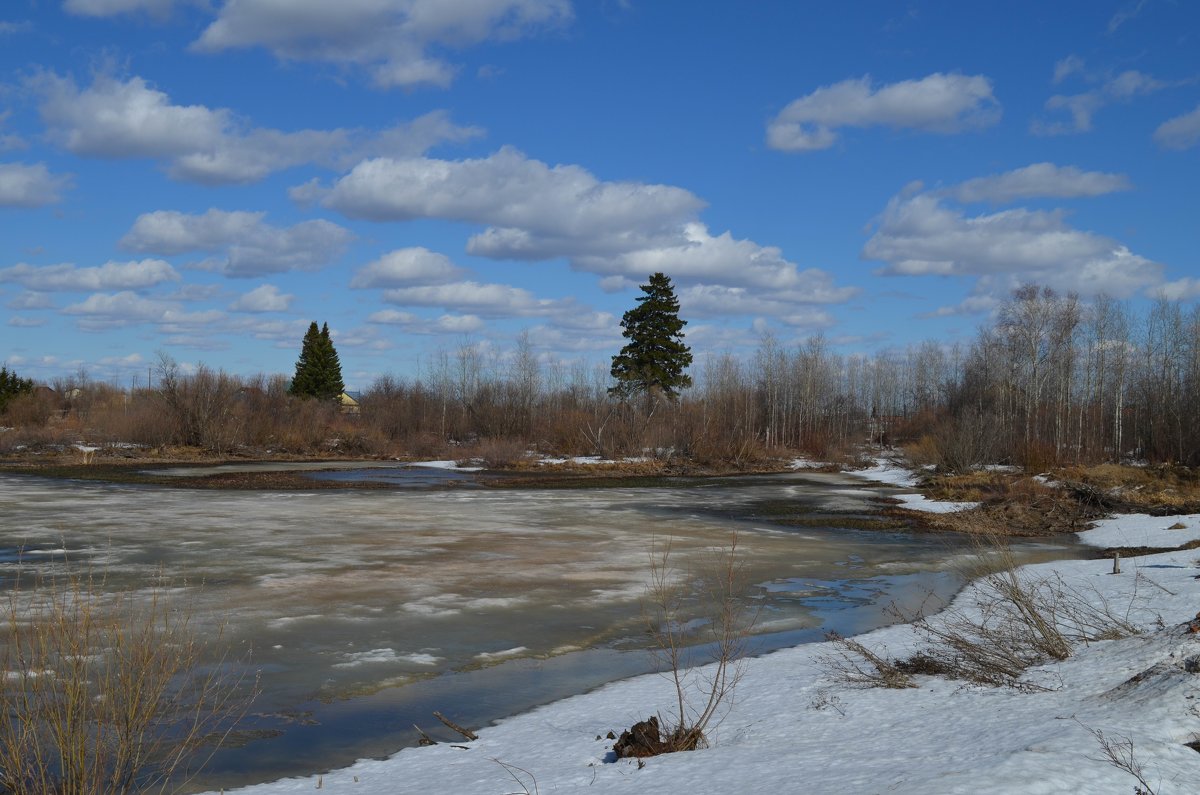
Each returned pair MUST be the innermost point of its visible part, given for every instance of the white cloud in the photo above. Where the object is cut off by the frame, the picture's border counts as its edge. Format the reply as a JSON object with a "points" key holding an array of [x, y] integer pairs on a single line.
{"points": [[8, 27], [24, 185], [264, 298], [136, 275], [918, 235], [17, 321], [119, 310], [131, 119], [250, 247], [942, 103], [699, 257], [1066, 67], [1121, 17], [31, 301], [391, 38], [1124, 87], [488, 300], [532, 211], [1186, 289], [706, 300], [108, 8], [1181, 132], [536, 211], [407, 266], [1038, 180], [416, 324]]}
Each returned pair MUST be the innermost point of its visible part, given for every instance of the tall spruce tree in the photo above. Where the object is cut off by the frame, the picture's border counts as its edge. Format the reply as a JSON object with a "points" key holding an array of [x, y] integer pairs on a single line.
{"points": [[655, 358], [318, 370]]}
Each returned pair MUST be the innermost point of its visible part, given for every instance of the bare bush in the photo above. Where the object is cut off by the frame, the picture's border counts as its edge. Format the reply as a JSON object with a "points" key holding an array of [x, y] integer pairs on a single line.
{"points": [[106, 693], [879, 671], [701, 693], [1017, 620]]}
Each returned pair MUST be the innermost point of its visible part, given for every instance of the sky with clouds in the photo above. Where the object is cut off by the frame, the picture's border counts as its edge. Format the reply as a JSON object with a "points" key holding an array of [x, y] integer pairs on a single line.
{"points": [[204, 178]]}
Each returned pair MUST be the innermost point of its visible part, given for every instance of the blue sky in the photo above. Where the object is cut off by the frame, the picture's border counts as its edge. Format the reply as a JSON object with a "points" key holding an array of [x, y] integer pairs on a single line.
{"points": [[205, 177]]}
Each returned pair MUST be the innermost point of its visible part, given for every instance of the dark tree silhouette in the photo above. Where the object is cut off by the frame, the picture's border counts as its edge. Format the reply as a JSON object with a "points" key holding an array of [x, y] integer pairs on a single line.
{"points": [[318, 370], [655, 358]]}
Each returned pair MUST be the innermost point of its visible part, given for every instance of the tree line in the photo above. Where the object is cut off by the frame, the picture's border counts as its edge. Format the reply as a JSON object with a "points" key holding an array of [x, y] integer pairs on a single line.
{"points": [[1051, 379]]}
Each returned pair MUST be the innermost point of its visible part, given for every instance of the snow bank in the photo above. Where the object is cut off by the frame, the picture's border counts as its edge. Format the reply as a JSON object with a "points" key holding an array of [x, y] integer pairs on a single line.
{"points": [[794, 727], [1140, 530]]}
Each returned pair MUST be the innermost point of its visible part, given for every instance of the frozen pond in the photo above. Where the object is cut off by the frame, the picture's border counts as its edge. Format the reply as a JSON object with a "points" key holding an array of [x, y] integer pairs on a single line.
{"points": [[367, 610]]}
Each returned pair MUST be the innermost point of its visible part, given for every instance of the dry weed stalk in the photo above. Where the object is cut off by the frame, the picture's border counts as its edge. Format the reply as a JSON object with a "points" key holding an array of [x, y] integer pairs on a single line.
{"points": [[1118, 751], [699, 695], [106, 693]]}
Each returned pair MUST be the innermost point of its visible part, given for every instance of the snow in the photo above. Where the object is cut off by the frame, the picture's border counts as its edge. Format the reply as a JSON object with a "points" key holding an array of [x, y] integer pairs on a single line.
{"points": [[1133, 530], [794, 725], [453, 465], [893, 474]]}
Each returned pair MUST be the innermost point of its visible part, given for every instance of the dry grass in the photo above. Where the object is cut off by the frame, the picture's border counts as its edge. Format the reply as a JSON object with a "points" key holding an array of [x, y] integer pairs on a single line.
{"points": [[1016, 621], [107, 693], [1153, 489]]}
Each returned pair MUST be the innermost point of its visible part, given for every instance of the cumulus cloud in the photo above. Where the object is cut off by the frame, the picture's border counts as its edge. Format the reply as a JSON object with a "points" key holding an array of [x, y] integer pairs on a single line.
{"points": [[391, 38], [942, 103], [131, 119], [407, 266], [698, 257], [532, 211], [1123, 87], [1181, 132], [138, 275], [119, 310], [413, 323], [31, 301], [246, 244], [1036, 181], [23, 185], [919, 235], [487, 300], [264, 298], [708, 300], [536, 211]]}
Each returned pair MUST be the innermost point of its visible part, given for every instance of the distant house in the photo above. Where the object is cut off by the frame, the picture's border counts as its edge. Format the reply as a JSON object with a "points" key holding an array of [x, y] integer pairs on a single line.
{"points": [[349, 401]]}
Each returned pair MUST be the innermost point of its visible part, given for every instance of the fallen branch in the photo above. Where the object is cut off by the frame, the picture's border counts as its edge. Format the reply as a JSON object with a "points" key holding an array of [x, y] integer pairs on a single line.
{"points": [[470, 735]]}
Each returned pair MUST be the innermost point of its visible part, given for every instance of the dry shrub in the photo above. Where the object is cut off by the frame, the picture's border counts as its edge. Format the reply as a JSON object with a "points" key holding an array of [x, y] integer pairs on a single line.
{"points": [[496, 453], [847, 665], [701, 695], [1016, 621], [106, 693], [30, 410]]}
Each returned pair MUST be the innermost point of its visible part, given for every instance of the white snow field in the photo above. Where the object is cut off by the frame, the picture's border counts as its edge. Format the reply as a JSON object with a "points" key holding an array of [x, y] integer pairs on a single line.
{"points": [[795, 726]]}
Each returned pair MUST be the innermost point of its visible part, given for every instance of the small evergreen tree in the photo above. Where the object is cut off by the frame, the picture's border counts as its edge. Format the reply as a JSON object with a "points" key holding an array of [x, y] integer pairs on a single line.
{"points": [[655, 358], [318, 370], [12, 385]]}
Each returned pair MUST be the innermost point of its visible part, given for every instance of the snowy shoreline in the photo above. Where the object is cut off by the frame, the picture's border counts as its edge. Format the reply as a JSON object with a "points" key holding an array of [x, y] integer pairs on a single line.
{"points": [[795, 726]]}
